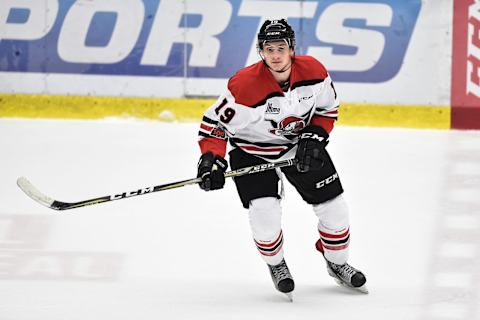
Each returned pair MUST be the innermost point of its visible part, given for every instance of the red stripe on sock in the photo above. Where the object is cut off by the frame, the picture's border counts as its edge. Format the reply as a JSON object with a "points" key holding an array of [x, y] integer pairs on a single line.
{"points": [[334, 236], [269, 254], [335, 248], [271, 244]]}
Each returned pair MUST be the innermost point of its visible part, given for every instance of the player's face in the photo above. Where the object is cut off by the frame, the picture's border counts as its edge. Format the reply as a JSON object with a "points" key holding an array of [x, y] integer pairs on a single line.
{"points": [[278, 55]]}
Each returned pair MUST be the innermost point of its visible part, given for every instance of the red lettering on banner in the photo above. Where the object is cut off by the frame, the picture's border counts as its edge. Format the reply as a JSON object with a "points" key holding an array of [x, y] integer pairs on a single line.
{"points": [[473, 67], [475, 39], [465, 86], [473, 52]]}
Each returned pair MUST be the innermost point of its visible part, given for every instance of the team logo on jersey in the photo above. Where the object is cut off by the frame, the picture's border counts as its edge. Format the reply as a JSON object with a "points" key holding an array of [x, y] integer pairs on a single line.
{"points": [[271, 109], [289, 127]]}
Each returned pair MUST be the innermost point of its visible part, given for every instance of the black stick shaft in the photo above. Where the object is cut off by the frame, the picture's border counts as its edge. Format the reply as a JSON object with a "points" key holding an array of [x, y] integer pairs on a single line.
{"points": [[31, 191]]}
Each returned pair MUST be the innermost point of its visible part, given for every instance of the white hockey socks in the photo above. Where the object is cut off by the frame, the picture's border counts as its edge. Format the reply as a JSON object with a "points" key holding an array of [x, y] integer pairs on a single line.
{"points": [[265, 222], [334, 229]]}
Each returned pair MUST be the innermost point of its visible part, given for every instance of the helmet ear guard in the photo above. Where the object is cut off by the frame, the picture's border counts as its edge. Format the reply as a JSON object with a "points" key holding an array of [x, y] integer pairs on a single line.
{"points": [[275, 30]]}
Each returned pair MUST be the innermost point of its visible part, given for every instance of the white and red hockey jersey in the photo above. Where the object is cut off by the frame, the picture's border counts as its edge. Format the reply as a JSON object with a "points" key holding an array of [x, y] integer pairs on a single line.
{"points": [[256, 115]]}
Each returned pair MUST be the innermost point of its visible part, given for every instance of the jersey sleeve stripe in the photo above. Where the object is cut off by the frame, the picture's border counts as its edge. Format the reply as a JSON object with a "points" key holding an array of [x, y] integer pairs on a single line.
{"points": [[210, 121], [203, 134], [205, 127], [329, 113]]}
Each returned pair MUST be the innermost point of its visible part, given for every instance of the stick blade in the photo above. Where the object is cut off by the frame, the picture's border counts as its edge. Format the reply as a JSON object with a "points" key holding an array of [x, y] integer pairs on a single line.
{"points": [[33, 192]]}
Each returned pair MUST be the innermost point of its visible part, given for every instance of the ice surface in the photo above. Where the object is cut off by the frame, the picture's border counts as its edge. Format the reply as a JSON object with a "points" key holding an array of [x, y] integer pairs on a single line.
{"points": [[186, 254]]}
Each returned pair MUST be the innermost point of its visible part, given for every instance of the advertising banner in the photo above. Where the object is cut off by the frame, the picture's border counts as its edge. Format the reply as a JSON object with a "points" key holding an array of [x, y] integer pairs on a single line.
{"points": [[200, 39], [465, 96], [374, 49]]}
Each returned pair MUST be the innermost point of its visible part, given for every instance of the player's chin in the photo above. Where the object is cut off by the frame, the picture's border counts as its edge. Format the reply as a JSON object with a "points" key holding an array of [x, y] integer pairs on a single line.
{"points": [[277, 67]]}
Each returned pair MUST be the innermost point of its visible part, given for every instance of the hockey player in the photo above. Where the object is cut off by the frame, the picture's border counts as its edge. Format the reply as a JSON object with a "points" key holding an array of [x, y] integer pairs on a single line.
{"points": [[282, 107]]}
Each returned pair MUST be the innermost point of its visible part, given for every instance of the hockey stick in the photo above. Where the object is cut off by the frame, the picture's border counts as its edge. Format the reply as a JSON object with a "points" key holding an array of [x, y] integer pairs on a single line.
{"points": [[36, 195]]}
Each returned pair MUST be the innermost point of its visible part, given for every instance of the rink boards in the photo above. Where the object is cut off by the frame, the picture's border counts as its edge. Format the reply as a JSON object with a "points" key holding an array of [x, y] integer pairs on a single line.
{"points": [[187, 110], [391, 60]]}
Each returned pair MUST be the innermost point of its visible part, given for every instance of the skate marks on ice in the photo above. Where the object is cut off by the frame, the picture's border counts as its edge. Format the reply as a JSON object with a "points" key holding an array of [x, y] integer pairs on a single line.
{"points": [[24, 254], [453, 287]]}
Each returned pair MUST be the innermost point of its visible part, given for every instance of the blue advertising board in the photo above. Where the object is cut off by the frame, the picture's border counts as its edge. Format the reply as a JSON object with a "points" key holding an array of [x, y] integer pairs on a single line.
{"points": [[202, 39]]}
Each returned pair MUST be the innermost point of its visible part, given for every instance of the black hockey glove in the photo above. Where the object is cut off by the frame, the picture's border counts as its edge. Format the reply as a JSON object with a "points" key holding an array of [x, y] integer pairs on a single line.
{"points": [[311, 153], [211, 169]]}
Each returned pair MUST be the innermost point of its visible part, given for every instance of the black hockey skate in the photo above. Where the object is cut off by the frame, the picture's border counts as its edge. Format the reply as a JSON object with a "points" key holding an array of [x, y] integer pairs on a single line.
{"points": [[282, 279], [347, 276]]}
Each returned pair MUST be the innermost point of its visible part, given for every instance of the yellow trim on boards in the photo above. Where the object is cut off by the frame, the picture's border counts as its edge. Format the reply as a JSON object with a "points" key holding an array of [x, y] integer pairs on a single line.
{"points": [[191, 110], [403, 116], [90, 107]]}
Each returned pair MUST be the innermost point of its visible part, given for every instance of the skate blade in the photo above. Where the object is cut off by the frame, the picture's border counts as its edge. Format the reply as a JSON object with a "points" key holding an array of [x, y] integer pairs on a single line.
{"points": [[289, 296], [362, 289]]}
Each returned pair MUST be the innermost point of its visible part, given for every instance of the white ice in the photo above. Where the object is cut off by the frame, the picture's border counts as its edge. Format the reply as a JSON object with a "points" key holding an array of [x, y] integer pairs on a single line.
{"points": [[187, 254]]}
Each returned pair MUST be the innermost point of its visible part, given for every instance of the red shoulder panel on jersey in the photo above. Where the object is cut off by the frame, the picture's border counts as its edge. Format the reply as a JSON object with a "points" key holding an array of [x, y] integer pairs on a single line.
{"points": [[307, 70], [252, 85]]}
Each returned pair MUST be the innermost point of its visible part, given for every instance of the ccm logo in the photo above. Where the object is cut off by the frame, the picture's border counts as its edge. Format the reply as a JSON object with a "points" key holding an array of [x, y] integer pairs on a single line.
{"points": [[310, 135], [473, 50], [262, 167], [131, 193], [327, 181]]}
